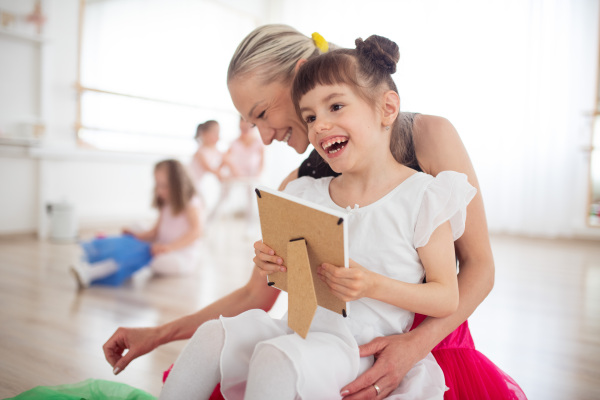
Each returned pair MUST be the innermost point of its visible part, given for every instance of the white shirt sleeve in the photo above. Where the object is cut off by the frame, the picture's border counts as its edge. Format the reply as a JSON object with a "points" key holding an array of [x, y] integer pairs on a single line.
{"points": [[445, 199]]}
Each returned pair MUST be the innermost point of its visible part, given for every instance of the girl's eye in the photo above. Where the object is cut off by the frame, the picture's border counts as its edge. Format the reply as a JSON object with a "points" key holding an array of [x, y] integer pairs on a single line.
{"points": [[336, 107], [309, 119]]}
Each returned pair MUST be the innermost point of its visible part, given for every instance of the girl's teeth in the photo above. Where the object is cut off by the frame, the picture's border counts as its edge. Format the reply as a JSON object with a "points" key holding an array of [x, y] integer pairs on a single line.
{"points": [[287, 136], [330, 143]]}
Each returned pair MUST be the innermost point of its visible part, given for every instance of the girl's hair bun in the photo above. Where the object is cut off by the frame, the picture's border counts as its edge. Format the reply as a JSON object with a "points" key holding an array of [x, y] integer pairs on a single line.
{"points": [[381, 52]]}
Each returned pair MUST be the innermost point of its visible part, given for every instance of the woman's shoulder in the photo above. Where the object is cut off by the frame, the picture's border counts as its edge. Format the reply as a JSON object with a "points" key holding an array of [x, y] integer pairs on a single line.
{"points": [[438, 145], [432, 128]]}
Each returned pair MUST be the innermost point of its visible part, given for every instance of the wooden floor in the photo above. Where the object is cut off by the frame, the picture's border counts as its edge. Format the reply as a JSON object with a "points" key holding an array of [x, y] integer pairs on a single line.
{"points": [[541, 324]]}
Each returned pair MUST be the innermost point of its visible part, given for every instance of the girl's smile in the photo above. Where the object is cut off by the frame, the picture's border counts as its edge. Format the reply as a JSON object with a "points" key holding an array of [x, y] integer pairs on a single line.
{"points": [[334, 145]]}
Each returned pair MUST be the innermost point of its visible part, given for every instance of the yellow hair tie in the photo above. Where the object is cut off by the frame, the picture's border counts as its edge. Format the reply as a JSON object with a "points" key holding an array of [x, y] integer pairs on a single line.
{"points": [[320, 42]]}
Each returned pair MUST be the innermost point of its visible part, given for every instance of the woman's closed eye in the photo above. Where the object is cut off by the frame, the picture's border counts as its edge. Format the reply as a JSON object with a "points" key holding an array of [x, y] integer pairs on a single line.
{"points": [[260, 116]]}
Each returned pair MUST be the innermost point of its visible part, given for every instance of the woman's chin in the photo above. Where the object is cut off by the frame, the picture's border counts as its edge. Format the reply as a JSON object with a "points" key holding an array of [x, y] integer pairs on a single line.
{"points": [[299, 147]]}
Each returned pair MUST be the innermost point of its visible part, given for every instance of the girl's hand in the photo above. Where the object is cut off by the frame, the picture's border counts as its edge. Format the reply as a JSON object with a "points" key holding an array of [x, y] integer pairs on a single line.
{"points": [[266, 260], [127, 231], [347, 283], [159, 248]]}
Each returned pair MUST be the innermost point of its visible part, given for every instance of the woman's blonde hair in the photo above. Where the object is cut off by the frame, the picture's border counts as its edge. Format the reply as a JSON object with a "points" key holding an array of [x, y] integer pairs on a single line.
{"points": [[271, 52]]}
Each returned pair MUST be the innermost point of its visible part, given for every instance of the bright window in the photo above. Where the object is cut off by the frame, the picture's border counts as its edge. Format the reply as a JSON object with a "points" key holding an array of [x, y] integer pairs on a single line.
{"points": [[152, 70]]}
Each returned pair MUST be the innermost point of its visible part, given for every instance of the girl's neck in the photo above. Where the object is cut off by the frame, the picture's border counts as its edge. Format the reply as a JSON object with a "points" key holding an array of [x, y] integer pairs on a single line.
{"points": [[369, 182], [246, 139]]}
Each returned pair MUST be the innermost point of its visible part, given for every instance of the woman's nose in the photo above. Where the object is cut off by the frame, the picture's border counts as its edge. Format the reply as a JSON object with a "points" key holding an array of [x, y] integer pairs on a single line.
{"points": [[267, 134]]}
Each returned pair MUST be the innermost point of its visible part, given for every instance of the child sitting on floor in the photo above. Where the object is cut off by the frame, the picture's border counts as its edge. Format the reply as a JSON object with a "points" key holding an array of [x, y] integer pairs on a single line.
{"points": [[169, 248]]}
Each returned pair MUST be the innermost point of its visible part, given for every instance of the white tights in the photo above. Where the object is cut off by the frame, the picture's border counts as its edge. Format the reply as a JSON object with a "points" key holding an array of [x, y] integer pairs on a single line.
{"points": [[197, 370]]}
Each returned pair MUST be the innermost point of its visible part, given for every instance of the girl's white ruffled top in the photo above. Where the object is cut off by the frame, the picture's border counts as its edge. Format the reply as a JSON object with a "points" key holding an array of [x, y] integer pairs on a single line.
{"points": [[383, 237]]}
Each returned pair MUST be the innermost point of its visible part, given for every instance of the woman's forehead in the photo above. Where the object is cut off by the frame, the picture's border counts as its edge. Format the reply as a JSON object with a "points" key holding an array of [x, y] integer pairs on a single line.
{"points": [[248, 95]]}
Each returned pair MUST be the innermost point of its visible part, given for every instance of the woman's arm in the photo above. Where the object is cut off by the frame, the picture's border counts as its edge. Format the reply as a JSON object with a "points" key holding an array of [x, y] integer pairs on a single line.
{"points": [[438, 148], [140, 341]]}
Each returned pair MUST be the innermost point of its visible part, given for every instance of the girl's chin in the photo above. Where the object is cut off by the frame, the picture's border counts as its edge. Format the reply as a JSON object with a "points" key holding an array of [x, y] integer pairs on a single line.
{"points": [[337, 167]]}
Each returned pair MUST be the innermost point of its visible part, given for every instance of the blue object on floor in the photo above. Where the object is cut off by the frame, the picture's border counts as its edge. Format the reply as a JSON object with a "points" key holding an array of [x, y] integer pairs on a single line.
{"points": [[128, 252]]}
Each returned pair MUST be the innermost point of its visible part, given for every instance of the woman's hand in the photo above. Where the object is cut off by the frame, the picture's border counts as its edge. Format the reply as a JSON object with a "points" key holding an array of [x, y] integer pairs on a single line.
{"points": [[266, 260], [348, 284], [394, 355], [137, 342], [159, 248]]}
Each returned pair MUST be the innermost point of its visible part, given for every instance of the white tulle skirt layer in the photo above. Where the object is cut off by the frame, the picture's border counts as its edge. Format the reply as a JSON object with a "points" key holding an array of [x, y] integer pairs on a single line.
{"points": [[324, 362]]}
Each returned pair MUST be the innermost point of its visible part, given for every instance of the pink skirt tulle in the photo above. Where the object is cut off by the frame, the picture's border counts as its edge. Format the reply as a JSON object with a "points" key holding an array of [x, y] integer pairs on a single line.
{"points": [[469, 374]]}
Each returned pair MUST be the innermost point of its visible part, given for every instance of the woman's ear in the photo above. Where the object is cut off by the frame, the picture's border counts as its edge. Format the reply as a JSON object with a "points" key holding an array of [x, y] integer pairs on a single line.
{"points": [[299, 64], [390, 108]]}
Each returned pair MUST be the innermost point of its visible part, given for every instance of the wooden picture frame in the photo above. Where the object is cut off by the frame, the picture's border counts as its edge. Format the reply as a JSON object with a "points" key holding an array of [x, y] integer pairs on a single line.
{"points": [[304, 235]]}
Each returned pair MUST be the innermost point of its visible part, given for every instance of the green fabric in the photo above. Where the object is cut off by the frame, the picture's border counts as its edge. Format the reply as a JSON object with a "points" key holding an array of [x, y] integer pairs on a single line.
{"points": [[91, 389]]}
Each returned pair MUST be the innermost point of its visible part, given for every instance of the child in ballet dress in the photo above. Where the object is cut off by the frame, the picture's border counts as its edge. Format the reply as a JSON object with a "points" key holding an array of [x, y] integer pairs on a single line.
{"points": [[401, 225], [208, 159], [242, 166], [244, 159], [169, 248]]}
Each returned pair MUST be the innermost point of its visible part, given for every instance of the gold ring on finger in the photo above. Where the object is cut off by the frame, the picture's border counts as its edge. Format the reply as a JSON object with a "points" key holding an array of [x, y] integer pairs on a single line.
{"points": [[377, 389]]}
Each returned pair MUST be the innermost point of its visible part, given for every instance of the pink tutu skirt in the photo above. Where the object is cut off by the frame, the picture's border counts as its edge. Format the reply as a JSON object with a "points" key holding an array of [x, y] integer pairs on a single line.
{"points": [[469, 374]]}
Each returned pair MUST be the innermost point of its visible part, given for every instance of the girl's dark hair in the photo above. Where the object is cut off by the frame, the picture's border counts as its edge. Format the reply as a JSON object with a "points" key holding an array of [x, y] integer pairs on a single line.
{"points": [[181, 187], [203, 127], [367, 70]]}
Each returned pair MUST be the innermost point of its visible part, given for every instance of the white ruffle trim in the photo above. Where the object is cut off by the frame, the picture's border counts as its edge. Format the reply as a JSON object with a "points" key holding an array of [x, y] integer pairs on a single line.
{"points": [[445, 199]]}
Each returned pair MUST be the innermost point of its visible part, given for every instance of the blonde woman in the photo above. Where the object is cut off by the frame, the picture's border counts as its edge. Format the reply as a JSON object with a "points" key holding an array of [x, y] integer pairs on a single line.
{"points": [[259, 78]]}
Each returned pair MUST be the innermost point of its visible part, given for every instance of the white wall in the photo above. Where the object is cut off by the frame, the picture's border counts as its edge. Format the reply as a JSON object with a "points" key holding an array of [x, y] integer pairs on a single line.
{"points": [[18, 202], [515, 77], [104, 187]]}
